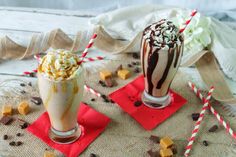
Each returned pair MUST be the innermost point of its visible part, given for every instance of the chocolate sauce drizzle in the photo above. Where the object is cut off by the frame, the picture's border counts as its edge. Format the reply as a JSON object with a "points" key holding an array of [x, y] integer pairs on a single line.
{"points": [[153, 57]]}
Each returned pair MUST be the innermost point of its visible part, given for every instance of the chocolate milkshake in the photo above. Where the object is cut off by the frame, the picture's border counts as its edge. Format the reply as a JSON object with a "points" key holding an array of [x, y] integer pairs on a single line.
{"points": [[61, 81], [161, 52]]}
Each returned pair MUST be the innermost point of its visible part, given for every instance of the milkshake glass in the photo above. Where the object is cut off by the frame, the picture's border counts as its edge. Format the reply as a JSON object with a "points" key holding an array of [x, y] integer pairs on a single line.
{"points": [[161, 52], [61, 84]]}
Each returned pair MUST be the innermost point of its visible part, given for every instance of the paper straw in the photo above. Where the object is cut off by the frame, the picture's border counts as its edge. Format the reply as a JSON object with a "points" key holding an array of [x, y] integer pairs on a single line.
{"points": [[90, 44], [37, 57], [89, 89], [197, 124], [193, 13], [92, 59], [213, 111]]}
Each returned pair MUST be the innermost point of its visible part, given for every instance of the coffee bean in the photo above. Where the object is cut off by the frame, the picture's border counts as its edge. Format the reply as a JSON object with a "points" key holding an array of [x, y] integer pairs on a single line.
{"points": [[136, 56], [137, 70], [18, 143], [195, 116], [5, 137], [92, 155], [22, 92], [106, 100], [205, 143], [137, 103], [24, 126], [174, 149], [22, 85], [12, 143], [30, 84], [100, 82], [18, 134], [92, 99], [154, 139], [134, 63], [213, 128], [32, 74], [104, 96], [129, 65]]}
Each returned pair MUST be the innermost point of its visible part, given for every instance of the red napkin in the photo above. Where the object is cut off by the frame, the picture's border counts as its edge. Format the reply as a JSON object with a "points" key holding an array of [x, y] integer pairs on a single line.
{"points": [[149, 118], [93, 123]]}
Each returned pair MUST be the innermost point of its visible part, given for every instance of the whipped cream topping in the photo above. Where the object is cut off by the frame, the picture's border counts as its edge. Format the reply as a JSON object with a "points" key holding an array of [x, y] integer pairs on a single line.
{"points": [[59, 65], [163, 34]]}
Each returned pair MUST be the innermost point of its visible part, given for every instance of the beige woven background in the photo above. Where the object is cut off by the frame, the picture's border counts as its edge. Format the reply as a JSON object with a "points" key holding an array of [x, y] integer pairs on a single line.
{"points": [[123, 137]]}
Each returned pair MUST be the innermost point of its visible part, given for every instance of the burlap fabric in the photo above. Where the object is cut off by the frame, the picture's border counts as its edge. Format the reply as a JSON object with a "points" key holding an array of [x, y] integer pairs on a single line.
{"points": [[123, 137]]}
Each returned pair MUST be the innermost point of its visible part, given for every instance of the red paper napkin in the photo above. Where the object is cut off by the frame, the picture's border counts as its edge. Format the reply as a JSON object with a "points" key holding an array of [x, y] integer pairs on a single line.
{"points": [[149, 118], [93, 123]]}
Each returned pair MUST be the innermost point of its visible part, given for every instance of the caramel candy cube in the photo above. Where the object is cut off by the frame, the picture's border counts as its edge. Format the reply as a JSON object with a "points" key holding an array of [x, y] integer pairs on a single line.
{"points": [[166, 153], [123, 74], [23, 108], [105, 74], [49, 154], [7, 110], [166, 142]]}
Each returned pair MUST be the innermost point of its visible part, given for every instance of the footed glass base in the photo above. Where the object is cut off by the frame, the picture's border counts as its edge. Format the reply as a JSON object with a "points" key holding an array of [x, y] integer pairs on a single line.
{"points": [[67, 137], [156, 102]]}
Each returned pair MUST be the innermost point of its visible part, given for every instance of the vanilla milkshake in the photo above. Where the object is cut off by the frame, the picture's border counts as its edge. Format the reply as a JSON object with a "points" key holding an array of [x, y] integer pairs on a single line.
{"points": [[61, 81], [161, 52]]}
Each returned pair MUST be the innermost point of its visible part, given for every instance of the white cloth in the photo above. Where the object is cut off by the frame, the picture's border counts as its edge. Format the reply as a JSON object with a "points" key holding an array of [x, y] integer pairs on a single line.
{"points": [[127, 22]]}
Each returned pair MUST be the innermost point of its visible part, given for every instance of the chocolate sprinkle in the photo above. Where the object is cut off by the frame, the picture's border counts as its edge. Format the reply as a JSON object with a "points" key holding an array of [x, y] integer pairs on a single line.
{"points": [[154, 139], [18, 143], [195, 116], [213, 128], [137, 103], [12, 143], [205, 143], [92, 155], [5, 137], [22, 85]]}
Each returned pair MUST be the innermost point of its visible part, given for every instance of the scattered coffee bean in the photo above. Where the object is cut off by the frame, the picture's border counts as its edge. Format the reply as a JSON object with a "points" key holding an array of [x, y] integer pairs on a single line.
{"points": [[213, 128], [106, 100], [129, 65], [36, 100], [18, 143], [205, 143], [22, 85], [174, 149], [18, 134], [92, 155], [92, 99], [104, 96], [6, 120], [153, 154], [137, 70], [30, 84], [154, 139], [195, 116], [136, 56], [24, 126], [137, 103], [134, 63], [22, 92], [102, 83], [12, 143], [5, 137]]}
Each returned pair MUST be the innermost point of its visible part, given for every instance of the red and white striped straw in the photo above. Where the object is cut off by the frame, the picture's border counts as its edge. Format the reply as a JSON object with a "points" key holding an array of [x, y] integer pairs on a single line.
{"points": [[193, 13], [92, 59], [37, 57], [213, 111], [90, 44], [197, 124], [89, 89]]}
